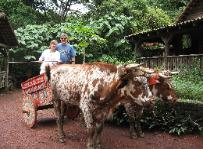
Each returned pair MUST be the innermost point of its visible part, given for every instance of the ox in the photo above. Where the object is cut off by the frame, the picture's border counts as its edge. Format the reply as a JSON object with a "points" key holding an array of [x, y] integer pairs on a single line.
{"points": [[161, 88], [96, 89]]}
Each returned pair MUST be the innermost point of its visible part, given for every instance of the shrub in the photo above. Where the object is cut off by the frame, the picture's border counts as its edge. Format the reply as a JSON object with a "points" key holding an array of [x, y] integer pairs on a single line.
{"points": [[163, 117]]}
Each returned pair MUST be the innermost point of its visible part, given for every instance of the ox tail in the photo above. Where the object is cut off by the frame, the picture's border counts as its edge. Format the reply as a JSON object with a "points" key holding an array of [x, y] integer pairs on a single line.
{"points": [[47, 71]]}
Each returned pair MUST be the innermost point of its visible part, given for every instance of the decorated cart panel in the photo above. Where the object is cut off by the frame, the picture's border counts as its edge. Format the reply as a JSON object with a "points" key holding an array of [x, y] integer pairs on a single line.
{"points": [[37, 95]]}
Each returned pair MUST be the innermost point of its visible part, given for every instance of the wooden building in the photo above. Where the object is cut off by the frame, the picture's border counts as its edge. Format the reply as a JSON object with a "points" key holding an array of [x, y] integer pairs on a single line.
{"points": [[7, 40], [182, 40]]}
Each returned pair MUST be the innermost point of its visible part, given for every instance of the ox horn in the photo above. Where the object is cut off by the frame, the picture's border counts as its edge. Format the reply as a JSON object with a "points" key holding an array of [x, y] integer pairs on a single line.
{"points": [[175, 72], [131, 66], [147, 70], [164, 76]]}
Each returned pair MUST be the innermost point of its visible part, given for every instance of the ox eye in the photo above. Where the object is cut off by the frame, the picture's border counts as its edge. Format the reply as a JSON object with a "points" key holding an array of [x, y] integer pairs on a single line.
{"points": [[168, 86]]}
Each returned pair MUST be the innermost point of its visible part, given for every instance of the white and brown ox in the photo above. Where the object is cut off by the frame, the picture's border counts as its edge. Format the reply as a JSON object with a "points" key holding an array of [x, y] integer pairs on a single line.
{"points": [[96, 89], [161, 88]]}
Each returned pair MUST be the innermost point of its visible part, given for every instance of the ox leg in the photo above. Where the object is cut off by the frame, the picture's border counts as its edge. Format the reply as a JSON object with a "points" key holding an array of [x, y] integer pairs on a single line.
{"points": [[57, 108], [138, 127], [90, 127], [91, 139], [130, 111], [99, 128], [63, 111]]}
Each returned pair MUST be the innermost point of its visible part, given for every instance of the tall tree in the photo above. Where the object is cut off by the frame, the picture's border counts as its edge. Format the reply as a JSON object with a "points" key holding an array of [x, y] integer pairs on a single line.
{"points": [[21, 13], [61, 7], [172, 7]]}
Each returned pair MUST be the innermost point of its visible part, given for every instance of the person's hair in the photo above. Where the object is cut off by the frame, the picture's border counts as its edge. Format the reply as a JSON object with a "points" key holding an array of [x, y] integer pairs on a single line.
{"points": [[64, 35], [54, 42]]}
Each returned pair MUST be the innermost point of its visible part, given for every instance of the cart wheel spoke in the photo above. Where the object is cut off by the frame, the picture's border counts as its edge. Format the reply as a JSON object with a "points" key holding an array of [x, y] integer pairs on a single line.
{"points": [[29, 113]]}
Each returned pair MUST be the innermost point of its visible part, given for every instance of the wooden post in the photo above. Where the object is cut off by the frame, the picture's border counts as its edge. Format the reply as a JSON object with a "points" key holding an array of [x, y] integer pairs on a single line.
{"points": [[137, 52], [166, 39], [7, 68]]}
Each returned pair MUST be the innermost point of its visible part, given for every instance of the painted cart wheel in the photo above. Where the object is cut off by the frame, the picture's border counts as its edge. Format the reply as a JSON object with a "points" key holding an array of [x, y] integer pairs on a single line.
{"points": [[29, 113]]}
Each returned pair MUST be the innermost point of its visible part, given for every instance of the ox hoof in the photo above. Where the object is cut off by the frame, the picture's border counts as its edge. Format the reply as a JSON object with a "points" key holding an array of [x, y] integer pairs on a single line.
{"points": [[99, 146], [133, 137], [141, 135], [90, 147], [62, 140]]}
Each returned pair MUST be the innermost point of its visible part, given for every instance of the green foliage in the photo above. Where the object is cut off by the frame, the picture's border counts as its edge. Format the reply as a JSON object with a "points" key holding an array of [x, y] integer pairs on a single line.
{"points": [[58, 8], [113, 28], [109, 59], [32, 40], [155, 18], [20, 14], [172, 7], [120, 18], [189, 90], [143, 16], [166, 118], [162, 117], [189, 83], [114, 60]]}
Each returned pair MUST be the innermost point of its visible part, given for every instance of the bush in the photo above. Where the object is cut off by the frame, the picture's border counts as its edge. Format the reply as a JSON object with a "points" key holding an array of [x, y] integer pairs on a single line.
{"points": [[163, 117], [189, 83]]}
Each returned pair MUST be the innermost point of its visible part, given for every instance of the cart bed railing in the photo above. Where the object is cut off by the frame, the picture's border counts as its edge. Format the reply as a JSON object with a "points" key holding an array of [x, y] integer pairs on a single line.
{"points": [[38, 90]]}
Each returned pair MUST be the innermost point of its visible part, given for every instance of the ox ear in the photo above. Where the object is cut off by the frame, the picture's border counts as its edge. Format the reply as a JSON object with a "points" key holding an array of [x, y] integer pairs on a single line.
{"points": [[135, 69], [122, 71]]}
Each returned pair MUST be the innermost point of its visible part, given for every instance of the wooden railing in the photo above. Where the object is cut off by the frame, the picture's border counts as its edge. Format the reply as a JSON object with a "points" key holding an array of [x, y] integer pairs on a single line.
{"points": [[173, 62]]}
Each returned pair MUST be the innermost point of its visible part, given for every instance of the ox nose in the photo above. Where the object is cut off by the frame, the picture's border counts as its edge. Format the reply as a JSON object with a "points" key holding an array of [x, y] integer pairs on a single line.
{"points": [[172, 99], [169, 97]]}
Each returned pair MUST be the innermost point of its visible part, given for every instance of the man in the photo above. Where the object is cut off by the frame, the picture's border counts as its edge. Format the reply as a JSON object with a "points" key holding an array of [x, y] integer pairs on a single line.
{"points": [[67, 52]]}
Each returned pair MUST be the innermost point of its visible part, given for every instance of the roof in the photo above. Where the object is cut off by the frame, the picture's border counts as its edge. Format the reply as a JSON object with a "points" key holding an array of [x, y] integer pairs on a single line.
{"points": [[155, 33], [190, 5], [7, 35]]}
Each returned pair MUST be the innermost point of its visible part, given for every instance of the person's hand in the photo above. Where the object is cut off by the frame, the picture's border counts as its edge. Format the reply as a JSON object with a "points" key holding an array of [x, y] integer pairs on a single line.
{"points": [[58, 63], [40, 61], [70, 62]]}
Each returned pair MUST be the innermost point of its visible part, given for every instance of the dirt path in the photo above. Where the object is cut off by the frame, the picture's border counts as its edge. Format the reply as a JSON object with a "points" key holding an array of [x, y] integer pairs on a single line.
{"points": [[15, 135]]}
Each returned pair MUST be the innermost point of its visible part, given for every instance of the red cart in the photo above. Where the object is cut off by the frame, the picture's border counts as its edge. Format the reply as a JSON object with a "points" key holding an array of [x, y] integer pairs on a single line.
{"points": [[37, 95]]}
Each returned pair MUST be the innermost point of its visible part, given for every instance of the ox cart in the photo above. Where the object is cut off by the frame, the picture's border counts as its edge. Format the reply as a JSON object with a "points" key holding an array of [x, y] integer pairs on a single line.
{"points": [[37, 95]]}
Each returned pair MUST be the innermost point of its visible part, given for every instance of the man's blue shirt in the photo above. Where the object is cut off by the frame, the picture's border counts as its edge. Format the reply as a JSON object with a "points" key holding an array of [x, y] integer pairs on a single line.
{"points": [[67, 52]]}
